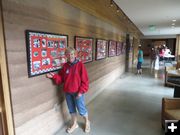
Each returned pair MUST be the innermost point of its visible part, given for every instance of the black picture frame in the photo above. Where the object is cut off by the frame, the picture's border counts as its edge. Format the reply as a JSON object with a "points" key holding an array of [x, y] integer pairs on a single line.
{"points": [[101, 49], [84, 48], [112, 48], [124, 48], [45, 51], [119, 46]]}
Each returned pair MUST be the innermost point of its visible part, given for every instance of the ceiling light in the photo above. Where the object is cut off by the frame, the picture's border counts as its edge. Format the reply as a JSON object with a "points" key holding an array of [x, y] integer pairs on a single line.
{"points": [[174, 20], [173, 23], [111, 4], [172, 26]]}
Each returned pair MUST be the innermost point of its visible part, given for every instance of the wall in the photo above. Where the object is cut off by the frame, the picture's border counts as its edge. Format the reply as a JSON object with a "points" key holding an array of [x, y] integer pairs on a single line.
{"points": [[2, 121], [177, 52], [146, 46], [6, 108], [171, 44], [39, 106], [135, 50]]}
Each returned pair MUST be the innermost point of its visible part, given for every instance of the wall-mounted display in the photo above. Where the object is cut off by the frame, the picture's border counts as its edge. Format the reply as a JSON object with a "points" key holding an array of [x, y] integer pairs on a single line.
{"points": [[45, 51], [84, 47], [112, 48], [101, 49], [119, 48]]}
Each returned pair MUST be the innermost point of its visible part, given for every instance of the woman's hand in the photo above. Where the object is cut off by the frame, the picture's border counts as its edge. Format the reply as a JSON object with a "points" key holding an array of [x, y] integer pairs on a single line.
{"points": [[78, 95], [50, 75]]}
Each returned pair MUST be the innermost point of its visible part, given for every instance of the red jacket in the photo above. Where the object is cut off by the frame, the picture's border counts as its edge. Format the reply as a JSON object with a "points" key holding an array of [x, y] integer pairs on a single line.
{"points": [[74, 76]]}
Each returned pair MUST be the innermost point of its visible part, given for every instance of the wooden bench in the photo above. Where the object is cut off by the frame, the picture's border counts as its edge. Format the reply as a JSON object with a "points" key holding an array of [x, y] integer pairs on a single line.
{"points": [[170, 109], [167, 70], [173, 79]]}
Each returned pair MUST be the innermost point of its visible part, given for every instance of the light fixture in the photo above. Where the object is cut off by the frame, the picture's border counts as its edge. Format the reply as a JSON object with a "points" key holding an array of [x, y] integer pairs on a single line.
{"points": [[117, 9], [173, 23], [174, 20], [111, 4]]}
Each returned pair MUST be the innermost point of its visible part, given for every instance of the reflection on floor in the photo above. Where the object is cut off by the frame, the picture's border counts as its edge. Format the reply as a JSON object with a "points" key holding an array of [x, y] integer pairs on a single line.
{"points": [[129, 106]]}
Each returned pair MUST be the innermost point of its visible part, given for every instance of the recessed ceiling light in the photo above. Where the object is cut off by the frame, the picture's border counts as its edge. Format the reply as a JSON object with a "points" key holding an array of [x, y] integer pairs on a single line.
{"points": [[174, 20], [173, 23]]}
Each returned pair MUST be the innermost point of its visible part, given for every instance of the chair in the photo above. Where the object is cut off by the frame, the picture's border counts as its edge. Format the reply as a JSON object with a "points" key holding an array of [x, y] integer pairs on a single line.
{"points": [[170, 109], [167, 69], [178, 65]]}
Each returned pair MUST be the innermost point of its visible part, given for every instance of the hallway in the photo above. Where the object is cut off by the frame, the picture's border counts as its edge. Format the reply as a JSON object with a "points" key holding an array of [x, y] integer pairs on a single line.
{"points": [[129, 106]]}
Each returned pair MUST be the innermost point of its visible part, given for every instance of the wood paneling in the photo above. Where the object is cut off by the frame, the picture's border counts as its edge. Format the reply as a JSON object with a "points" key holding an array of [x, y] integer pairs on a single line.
{"points": [[177, 52], [103, 10], [34, 99], [2, 109], [1, 124], [4, 83]]}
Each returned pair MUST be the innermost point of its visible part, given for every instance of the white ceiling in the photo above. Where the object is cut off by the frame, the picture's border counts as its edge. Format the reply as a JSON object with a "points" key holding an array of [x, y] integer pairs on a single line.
{"points": [[159, 13]]}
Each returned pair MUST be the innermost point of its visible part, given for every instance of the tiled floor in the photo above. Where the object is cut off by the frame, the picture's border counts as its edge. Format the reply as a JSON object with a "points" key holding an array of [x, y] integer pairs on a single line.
{"points": [[129, 106]]}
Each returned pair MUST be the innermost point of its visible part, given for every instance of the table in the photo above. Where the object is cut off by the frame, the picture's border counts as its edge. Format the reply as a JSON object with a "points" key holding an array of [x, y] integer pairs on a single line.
{"points": [[169, 58], [174, 79]]}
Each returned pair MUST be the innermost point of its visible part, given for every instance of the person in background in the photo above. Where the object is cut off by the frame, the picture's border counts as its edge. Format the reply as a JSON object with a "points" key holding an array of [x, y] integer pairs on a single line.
{"points": [[161, 52], [156, 64], [140, 60], [167, 51], [76, 83], [154, 57]]}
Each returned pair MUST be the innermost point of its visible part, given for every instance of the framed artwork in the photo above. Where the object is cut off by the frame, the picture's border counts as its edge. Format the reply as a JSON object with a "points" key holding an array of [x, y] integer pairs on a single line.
{"points": [[124, 48], [101, 49], [84, 47], [45, 51], [112, 48], [118, 48]]}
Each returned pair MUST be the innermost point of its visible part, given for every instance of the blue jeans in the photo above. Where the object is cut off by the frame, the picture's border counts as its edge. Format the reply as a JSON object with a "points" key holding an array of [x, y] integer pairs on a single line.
{"points": [[73, 103], [139, 65]]}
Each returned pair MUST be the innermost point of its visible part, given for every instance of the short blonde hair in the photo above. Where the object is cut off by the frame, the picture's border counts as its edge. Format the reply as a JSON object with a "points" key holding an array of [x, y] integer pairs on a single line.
{"points": [[70, 50]]}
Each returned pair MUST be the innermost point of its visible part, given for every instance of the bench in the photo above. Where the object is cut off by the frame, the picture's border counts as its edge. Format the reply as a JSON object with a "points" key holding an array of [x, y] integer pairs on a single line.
{"points": [[170, 109]]}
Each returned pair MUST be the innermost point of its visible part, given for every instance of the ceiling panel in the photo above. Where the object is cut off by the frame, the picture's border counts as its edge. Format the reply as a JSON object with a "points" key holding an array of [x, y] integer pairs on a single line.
{"points": [[159, 13]]}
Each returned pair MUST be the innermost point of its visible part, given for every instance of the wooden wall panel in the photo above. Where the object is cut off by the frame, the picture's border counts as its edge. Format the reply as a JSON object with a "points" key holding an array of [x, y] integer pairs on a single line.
{"points": [[103, 10], [35, 99], [177, 53], [5, 99]]}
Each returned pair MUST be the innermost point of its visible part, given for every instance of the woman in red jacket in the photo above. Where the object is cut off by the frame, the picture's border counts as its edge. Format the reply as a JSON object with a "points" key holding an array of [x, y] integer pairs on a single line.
{"points": [[75, 78]]}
